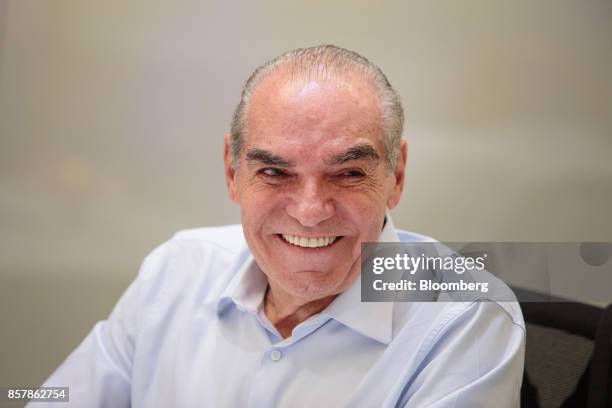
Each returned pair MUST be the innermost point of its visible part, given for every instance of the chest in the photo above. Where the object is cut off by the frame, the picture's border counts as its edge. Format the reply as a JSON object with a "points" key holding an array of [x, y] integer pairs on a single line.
{"points": [[235, 362]]}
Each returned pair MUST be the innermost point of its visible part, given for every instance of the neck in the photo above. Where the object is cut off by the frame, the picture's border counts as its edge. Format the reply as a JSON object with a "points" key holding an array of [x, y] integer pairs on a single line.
{"points": [[285, 312]]}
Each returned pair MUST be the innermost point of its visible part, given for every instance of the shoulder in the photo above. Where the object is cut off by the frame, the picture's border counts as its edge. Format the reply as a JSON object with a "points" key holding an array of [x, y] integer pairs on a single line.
{"points": [[490, 331], [199, 262], [434, 319], [224, 241], [447, 314], [476, 346], [199, 244], [481, 312]]}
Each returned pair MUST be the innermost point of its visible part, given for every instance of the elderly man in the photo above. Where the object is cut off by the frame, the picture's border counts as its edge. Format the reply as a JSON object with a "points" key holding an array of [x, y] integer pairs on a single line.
{"points": [[268, 313]]}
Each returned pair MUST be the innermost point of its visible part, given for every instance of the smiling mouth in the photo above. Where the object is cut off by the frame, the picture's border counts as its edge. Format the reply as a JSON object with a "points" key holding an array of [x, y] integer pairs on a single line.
{"points": [[306, 242]]}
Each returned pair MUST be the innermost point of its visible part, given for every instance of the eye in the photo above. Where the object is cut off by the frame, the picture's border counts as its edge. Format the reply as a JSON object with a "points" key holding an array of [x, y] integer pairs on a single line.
{"points": [[350, 177], [271, 172], [352, 174]]}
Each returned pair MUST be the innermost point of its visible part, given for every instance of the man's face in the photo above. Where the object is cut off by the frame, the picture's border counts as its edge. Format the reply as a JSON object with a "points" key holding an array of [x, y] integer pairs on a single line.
{"points": [[312, 181]]}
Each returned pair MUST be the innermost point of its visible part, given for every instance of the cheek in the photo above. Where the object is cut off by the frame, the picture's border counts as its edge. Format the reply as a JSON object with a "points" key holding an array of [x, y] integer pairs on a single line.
{"points": [[364, 206], [367, 214], [257, 204]]}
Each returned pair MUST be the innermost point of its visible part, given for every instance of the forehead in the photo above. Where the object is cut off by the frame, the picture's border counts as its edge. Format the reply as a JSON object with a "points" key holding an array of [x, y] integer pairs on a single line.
{"points": [[307, 115]]}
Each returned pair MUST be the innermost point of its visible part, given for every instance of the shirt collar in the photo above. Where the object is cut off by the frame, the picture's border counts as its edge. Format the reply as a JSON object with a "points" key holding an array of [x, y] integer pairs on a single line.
{"points": [[372, 319], [246, 289]]}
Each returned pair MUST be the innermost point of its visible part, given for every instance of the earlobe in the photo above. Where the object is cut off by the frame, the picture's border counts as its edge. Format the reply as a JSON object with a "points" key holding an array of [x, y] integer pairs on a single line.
{"points": [[393, 199], [230, 172]]}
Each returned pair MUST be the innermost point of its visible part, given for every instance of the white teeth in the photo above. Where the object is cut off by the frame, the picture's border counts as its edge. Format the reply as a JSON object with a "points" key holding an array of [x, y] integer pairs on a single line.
{"points": [[317, 242]]}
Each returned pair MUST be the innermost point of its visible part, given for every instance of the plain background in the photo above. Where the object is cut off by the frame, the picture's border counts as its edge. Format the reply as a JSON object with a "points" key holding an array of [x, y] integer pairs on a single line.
{"points": [[112, 115]]}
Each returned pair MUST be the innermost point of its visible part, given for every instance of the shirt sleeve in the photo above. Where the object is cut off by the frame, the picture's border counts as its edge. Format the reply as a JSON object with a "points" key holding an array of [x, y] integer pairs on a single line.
{"points": [[99, 371], [476, 360]]}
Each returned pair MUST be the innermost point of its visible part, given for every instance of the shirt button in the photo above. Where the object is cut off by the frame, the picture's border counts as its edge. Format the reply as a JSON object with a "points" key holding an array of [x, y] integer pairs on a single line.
{"points": [[276, 355]]}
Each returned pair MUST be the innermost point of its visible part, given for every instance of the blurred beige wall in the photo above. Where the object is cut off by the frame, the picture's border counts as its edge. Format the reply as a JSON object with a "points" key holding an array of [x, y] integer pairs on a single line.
{"points": [[112, 115]]}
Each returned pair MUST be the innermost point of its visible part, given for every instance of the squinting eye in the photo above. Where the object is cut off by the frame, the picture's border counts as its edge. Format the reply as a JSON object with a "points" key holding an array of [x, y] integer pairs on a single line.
{"points": [[271, 172], [352, 173]]}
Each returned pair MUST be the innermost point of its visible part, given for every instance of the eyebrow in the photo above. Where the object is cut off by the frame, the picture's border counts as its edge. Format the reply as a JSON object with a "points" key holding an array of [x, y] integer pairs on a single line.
{"points": [[265, 157], [357, 152]]}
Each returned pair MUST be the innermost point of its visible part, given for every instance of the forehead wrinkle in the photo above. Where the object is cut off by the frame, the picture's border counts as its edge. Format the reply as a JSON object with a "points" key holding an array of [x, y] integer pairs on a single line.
{"points": [[298, 108]]}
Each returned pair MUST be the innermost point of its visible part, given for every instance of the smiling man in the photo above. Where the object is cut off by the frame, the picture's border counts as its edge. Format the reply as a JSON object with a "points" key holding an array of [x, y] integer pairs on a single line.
{"points": [[306, 163], [268, 313]]}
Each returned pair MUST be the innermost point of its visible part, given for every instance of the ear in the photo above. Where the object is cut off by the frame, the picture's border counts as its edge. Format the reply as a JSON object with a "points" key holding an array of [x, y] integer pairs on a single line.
{"points": [[230, 172], [398, 174]]}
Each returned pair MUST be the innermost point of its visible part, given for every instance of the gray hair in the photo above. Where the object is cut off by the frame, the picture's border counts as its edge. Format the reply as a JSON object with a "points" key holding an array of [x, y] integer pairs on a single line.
{"points": [[321, 61]]}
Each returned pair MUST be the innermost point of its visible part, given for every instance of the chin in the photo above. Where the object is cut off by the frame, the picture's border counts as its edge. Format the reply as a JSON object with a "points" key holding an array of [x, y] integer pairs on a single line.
{"points": [[315, 283], [312, 292]]}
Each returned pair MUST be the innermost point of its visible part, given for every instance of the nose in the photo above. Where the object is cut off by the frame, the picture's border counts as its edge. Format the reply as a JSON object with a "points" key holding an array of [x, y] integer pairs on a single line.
{"points": [[310, 205]]}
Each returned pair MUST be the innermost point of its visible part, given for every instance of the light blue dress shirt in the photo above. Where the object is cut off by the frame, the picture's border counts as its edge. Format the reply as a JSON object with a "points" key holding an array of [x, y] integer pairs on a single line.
{"points": [[190, 331]]}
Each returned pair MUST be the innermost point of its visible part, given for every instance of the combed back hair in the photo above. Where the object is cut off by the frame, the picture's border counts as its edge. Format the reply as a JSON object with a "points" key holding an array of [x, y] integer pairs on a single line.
{"points": [[324, 62]]}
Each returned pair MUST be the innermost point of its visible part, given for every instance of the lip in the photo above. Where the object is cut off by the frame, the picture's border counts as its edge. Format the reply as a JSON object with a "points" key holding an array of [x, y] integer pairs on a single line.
{"points": [[299, 248]]}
